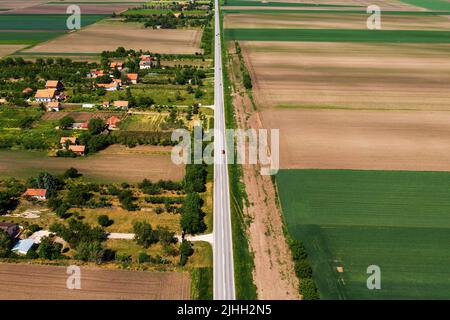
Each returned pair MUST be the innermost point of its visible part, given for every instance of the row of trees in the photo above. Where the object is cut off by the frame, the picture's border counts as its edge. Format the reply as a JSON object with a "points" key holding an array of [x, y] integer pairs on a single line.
{"points": [[303, 271]]}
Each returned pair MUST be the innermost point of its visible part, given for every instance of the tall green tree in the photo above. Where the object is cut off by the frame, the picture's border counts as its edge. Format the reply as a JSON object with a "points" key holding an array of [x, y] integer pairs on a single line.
{"points": [[5, 244]]}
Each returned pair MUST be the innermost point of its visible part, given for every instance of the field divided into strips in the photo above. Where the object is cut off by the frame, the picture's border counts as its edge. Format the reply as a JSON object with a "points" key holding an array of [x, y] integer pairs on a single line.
{"points": [[334, 20], [397, 220], [335, 86]]}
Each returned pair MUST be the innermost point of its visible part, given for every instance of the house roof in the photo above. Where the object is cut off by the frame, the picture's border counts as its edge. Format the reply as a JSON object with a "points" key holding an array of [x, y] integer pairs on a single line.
{"points": [[108, 85], [7, 224], [35, 192], [71, 139], [132, 76], [145, 62], [121, 103], [51, 83], [23, 245], [53, 104], [45, 93], [116, 64], [77, 148], [27, 90], [112, 121]]}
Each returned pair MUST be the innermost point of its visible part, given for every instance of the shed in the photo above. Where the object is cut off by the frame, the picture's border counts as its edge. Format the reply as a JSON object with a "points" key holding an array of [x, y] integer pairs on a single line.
{"points": [[23, 246]]}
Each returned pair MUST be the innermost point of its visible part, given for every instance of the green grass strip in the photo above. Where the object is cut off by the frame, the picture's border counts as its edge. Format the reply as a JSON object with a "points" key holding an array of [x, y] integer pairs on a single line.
{"points": [[343, 12], [338, 35], [43, 21], [27, 37], [249, 3], [429, 4], [72, 54]]}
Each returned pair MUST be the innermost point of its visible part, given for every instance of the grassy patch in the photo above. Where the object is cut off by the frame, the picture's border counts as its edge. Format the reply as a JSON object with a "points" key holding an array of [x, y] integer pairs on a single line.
{"points": [[338, 35], [123, 220], [397, 220], [202, 284], [147, 122]]}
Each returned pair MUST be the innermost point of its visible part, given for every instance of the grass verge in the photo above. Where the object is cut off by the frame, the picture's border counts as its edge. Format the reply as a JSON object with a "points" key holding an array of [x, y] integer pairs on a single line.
{"points": [[243, 260]]}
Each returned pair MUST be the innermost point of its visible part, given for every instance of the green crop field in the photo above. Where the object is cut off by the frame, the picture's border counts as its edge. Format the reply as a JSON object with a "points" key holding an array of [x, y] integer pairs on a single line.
{"points": [[42, 21], [338, 35], [429, 4], [397, 220], [250, 3], [343, 12], [26, 37]]}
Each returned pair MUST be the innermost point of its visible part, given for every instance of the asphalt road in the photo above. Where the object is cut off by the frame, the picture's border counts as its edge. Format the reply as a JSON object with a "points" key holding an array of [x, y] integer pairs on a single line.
{"points": [[223, 245]]}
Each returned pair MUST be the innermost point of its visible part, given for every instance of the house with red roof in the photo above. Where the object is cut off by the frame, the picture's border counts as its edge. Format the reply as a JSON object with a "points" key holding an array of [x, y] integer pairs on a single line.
{"points": [[38, 194], [79, 150], [112, 122], [133, 77]]}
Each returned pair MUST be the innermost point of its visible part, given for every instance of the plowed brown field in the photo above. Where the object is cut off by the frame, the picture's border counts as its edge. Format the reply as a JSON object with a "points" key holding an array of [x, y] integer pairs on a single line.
{"points": [[21, 281]]}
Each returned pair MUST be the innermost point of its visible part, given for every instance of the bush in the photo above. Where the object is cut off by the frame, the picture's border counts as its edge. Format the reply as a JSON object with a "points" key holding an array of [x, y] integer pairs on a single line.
{"points": [[303, 269], [71, 173], [34, 228], [143, 257], [144, 234], [104, 220], [50, 250], [192, 214], [90, 251], [5, 244], [185, 252], [308, 289]]}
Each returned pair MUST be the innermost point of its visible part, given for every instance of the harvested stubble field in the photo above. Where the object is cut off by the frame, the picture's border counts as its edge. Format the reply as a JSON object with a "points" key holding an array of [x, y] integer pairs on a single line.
{"points": [[115, 164], [396, 220], [350, 75], [333, 20], [9, 49], [21, 281], [358, 139], [106, 36], [18, 4], [385, 5]]}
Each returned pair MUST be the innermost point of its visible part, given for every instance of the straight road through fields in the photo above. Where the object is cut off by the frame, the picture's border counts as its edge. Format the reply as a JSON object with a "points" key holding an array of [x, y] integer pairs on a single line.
{"points": [[223, 245]]}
